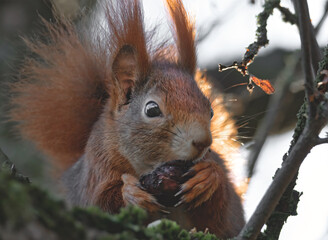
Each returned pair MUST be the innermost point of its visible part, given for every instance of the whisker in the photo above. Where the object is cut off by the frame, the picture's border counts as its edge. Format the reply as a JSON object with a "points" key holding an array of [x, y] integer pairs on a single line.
{"points": [[225, 77], [244, 137], [248, 127], [179, 130], [236, 85], [167, 130], [243, 125], [217, 104], [244, 119]]}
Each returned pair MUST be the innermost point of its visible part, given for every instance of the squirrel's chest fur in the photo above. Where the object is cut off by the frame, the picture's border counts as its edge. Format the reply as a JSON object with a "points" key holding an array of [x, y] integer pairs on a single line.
{"points": [[75, 181]]}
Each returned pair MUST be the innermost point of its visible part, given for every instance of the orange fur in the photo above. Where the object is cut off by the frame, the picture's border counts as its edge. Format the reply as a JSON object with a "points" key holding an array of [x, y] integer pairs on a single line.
{"points": [[84, 103], [60, 96], [224, 133], [184, 30], [212, 200], [125, 23]]}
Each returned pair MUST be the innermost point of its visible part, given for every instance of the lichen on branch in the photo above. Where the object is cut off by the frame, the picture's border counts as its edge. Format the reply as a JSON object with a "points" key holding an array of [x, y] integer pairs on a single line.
{"points": [[25, 206], [261, 35]]}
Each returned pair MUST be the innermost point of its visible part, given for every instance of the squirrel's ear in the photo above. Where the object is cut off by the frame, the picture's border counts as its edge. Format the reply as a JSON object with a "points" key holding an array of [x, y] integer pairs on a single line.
{"points": [[184, 33], [125, 69]]}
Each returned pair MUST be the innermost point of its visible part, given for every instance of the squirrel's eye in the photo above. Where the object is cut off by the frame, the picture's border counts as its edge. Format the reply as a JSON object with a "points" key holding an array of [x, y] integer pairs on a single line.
{"points": [[152, 109], [212, 113]]}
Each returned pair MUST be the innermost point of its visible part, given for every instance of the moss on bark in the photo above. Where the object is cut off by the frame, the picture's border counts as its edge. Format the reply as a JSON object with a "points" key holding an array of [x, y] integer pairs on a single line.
{"points": [[28, 212]]}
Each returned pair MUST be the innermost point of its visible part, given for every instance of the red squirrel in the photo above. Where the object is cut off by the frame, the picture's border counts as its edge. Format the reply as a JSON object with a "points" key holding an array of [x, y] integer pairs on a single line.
{"points": [[109, 109]]}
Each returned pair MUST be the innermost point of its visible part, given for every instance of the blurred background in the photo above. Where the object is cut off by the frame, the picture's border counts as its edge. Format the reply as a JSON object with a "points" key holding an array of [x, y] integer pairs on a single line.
{"points": [[224, 30]]}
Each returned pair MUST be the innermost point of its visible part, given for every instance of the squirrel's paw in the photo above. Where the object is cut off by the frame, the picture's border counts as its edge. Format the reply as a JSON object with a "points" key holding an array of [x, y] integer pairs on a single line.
{"points": [[134, 195], [199, 188]]}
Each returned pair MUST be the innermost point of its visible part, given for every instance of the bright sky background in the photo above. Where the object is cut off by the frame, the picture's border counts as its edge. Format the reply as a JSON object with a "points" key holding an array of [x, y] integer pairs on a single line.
{"points": [[237, 31], [312, 220], [229, 41]]}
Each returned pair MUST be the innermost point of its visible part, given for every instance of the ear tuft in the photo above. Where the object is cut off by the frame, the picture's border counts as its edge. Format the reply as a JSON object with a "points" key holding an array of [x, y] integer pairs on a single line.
{"points": [[184, 31], [125, 69], [125, 23]]}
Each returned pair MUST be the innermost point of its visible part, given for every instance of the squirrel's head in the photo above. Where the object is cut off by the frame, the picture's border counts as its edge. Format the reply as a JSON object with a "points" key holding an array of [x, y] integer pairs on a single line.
{"points": [[166, 119], [159, 111]]}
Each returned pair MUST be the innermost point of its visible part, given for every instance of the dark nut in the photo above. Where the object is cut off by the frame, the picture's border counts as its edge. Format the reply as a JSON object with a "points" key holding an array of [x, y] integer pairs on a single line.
{"points": [[165, 181]]}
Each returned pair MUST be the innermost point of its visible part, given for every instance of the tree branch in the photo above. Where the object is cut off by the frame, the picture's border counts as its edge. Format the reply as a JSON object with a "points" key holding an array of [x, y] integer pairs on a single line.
{"points": [[312, 118], [204, 33], [309, 43], [322, 19], [304, 28], [283, 177], [309, 52], [287, 16], [261, 39], [321, 141], [263, 130], [3, 157], [7, 165], [261, 32], [304, 139], [261, 35]]}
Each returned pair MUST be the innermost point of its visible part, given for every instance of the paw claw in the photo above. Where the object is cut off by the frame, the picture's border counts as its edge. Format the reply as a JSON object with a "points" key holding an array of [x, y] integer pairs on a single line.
{"points": [[179, 203], [190, 173], [199, 188], [164, 211], [179, 193]]}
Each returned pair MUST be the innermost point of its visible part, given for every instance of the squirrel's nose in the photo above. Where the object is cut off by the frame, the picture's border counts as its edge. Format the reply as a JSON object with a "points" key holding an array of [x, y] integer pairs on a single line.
{"points": [[201, 145]]}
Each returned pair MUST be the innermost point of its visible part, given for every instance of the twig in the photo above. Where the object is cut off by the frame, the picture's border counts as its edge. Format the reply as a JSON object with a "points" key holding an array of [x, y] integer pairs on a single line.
{"points": [[261, 32], [310, 132], [3, 157], [305, 142], [8, 166], [304, 28], [322, 141], [275, 223], [283, 177], [261, 39], [261, 35], [322, 19], [306, 134], [309, 49], [266, 125], [287, 16], [307, 34], [205, 33], [305, 138]]}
